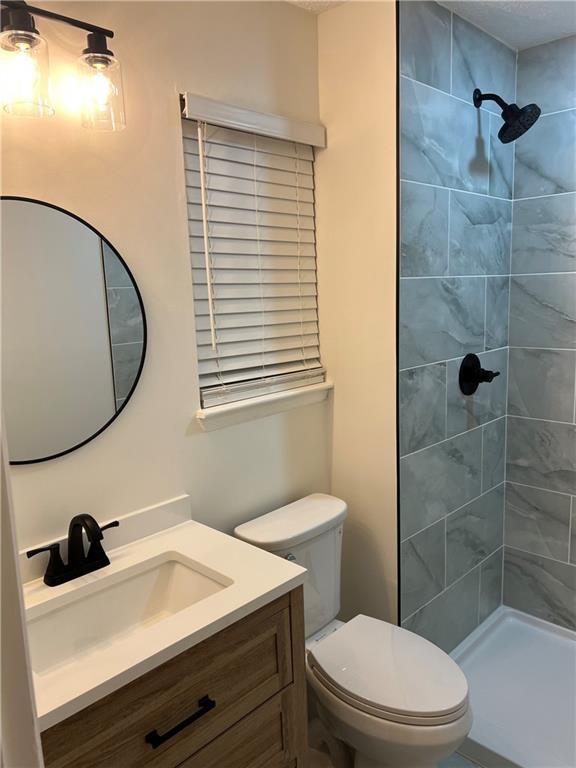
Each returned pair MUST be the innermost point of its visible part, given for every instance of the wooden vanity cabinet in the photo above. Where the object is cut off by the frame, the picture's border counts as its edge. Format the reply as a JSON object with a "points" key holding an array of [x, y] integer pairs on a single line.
{"points": [[236, 700]]}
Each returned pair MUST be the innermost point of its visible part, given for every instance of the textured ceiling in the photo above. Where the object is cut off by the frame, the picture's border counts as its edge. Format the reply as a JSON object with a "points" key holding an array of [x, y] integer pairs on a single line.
{"points": [[519, 23], [316, 6]]}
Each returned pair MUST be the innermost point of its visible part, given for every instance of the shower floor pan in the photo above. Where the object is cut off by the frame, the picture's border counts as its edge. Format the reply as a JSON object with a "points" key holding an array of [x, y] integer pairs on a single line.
{"points": [[522, 677]]}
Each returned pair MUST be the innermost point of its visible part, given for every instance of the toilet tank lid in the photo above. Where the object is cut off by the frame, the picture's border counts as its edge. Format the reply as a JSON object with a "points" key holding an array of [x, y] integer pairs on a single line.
{"points": [[297, 522]]}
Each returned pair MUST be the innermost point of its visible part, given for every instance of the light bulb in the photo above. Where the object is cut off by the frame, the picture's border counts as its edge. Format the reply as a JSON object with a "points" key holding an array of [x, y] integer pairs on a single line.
{"points": [[101, 78], [24, 74]]}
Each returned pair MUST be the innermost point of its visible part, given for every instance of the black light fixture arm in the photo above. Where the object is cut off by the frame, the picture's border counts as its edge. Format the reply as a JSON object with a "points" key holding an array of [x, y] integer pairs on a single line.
{"points": [[478, 97], [19, 5]]}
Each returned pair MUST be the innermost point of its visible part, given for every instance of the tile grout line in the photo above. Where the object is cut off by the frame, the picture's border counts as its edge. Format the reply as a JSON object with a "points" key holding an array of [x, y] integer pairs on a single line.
{"points": [[449, 230], [539, 488], [485, 303], [452, 512], [536, 418], [570, 529], [452, 584], [451, 51], [464, 191], [453, 437], [482, 461], [453, 359], [487, 194], [539, 554], [497, 349], [480, 274]]}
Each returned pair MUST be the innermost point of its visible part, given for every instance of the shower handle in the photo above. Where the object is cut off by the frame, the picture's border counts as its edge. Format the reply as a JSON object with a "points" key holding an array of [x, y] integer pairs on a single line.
{"points": [[472, 374]]}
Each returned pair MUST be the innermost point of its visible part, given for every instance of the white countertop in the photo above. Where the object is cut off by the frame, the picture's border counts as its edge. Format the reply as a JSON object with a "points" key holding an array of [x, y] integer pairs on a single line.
{"points": [[257, 577]]}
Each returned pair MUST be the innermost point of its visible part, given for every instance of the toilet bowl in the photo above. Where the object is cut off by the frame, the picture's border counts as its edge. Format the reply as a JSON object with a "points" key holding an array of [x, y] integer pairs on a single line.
{"points": [[392, 697], [386, 696]]}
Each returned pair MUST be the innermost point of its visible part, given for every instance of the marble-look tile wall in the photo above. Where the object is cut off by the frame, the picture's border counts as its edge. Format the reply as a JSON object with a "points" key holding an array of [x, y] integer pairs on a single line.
{"points": [[540, 554], [125, 324], [456, 240]]}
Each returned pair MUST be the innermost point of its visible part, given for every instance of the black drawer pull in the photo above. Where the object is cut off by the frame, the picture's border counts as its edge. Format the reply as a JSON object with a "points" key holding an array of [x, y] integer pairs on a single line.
{"points": [[205, 704]]}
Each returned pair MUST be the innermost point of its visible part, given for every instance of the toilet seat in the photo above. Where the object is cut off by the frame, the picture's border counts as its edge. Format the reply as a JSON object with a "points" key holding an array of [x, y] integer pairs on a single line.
{"points": [[390, 673]]}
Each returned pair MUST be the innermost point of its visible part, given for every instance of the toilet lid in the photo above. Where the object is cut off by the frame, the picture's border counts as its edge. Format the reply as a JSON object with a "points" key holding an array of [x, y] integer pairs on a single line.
{"points": [[390, 669]]}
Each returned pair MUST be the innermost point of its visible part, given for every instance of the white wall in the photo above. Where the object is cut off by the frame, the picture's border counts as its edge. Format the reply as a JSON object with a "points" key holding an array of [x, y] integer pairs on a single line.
{"points": [[56, 361], [130, 186], [356, 222]]}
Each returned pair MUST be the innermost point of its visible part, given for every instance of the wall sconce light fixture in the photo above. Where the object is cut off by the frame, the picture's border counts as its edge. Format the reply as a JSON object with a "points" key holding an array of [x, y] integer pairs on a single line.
{"points": [[25, 69]]}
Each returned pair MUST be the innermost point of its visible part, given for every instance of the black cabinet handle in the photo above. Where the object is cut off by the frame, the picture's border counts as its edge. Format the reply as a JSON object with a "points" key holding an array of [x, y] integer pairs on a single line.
{"points": [[205, 704]]}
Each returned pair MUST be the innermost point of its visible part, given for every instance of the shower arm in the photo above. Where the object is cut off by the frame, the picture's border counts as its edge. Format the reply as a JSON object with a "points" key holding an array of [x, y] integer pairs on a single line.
{"points": [[478, 97]]}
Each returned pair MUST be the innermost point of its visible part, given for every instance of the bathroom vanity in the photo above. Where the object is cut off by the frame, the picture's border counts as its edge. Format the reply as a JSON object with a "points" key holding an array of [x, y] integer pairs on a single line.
{"points": [[235, 700], [188, 650]]}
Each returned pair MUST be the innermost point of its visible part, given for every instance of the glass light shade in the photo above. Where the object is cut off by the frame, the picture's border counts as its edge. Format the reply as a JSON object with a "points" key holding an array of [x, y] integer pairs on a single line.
{"points": [[24, 71], [102, 96]]}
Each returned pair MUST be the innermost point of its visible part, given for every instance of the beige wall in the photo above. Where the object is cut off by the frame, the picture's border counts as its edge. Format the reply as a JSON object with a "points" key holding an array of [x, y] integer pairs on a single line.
{"points": [[356, 220], [130, 186]]}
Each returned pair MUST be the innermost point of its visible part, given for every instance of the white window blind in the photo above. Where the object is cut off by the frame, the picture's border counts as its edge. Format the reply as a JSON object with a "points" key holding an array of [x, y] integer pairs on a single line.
{"points": [[252, 245]]}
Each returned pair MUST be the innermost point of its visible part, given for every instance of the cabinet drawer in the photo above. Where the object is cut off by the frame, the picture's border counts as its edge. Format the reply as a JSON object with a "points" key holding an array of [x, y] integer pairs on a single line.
{"points": [[238, 669], [263, 739]]}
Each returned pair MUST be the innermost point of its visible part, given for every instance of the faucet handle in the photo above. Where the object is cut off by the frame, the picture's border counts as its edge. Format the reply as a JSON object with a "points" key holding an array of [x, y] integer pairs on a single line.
{"points": [[113, 524], [96, 552], [56, 568]]}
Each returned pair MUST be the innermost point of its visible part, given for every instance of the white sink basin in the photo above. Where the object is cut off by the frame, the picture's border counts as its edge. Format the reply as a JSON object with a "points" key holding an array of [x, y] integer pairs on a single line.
{"points": [[97, 614], [160, 595]]}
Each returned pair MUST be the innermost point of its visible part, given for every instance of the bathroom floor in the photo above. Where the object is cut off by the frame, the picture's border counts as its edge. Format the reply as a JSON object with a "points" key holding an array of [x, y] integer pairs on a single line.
{"points": [[522, 677], [320, 760]]}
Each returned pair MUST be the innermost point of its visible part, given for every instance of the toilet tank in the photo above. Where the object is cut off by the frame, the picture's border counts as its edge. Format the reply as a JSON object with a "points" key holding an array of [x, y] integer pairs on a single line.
{"points": [[309, 532]]}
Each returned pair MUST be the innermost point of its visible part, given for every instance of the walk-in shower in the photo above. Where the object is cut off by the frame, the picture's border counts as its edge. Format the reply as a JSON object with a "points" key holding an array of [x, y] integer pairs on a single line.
{"points": [[487, 269]]}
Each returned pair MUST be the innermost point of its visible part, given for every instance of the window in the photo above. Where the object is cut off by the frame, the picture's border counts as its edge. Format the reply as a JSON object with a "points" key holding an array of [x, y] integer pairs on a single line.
{"points": [[252, 245]]}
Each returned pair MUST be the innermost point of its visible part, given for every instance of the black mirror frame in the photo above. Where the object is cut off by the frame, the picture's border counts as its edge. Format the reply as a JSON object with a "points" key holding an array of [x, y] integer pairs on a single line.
{"points": [[144, 331]]}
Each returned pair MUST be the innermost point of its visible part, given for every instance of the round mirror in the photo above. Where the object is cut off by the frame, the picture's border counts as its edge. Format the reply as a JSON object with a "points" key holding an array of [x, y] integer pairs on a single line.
{"points": [[73, 331]]}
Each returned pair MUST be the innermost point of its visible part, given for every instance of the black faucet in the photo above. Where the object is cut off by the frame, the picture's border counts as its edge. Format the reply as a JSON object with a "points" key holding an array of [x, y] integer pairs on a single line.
{"points": [[79, 562]]}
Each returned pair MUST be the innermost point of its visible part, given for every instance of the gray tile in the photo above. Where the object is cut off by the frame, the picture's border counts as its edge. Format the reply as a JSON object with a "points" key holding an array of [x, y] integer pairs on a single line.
{"points": [[116, 273], [480, 230], [544, 234], [443, 141], [542, 454], [440, 318], [487, 403], [126, 324], [501, 162], [422, 407], [451, 616], [127, 358], [457, 761], [481, 61], [541, 383], [541, 587], [547, 75], [573, 534], [543, 311], [474, 532], [537, 521], [424, 230], [439, 479], [546, 157], [491, 572], [422, 558], [493, 454], [497, 305], [425, 43]]}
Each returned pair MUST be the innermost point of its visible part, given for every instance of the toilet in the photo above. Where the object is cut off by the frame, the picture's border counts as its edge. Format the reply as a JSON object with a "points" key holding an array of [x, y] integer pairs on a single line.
{"points": [[385, 696]]}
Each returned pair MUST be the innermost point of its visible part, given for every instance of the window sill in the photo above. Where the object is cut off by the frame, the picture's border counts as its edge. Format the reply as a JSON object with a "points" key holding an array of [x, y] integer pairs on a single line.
{"points": [[220, 416]]}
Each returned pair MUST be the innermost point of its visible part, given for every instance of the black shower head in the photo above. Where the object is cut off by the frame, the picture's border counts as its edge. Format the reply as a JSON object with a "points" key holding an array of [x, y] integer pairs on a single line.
{"points": [[516, 120]]}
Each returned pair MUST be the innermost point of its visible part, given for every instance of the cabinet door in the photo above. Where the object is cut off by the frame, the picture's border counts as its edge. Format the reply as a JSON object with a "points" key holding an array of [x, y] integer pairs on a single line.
{"points": [[187, 702], [263, 739]]}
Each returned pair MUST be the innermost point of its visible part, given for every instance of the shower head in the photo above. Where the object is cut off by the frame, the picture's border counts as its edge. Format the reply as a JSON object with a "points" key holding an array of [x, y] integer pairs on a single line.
{"points": [[516, 120]]}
